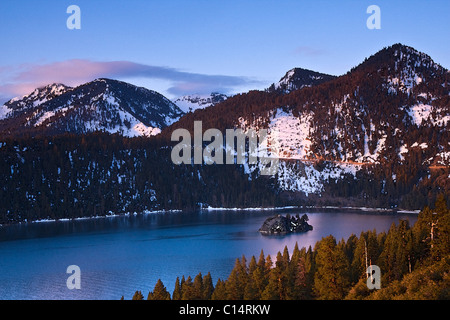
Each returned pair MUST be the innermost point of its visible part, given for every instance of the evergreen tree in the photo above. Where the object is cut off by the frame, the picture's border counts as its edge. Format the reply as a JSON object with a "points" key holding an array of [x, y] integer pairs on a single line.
{"points": [[138, 296], [403, 262], [186, 288], [251, 291], [301, 290], [159, 292], [197, 288], [440, 229], [220, 291], [176, 295], [261, 261], [208, 287], [236, 282], [388, 255], [331, 279], [272, 290]]}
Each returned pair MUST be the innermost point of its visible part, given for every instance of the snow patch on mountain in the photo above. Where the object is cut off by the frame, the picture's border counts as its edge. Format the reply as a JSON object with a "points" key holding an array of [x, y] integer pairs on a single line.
{"points": [[422, 113], [101, 105], [4, 112], [190, 103], [289, 135], [37, 97], [305, 177]]}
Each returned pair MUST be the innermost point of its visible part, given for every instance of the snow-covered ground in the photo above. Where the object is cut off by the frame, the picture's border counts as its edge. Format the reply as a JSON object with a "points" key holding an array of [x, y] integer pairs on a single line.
{"points": [[4, 110], [289, 138], [193, 102]]}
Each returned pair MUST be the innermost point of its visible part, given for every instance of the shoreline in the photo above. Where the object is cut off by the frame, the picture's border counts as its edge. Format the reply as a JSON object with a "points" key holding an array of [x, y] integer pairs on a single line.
{"points": [[367, 209], [210, 209]]}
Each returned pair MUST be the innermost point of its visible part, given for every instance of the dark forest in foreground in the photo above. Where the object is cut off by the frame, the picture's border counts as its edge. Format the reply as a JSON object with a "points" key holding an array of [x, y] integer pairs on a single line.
{"points": [[414, 262]]}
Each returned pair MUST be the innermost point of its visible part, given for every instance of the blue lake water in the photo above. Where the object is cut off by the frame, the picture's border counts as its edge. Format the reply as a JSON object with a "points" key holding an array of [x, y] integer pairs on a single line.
{"points": [[119, 255]]}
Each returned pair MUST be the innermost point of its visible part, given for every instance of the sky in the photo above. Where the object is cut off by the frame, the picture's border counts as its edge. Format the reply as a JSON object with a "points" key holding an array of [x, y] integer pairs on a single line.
{"points": [[179, 47]]}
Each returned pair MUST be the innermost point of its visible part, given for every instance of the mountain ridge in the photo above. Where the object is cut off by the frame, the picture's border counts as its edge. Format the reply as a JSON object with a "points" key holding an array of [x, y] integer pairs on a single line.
{"points": [[192, 102], [99, 105], [298, 78], [388, 119], [377, 136]]}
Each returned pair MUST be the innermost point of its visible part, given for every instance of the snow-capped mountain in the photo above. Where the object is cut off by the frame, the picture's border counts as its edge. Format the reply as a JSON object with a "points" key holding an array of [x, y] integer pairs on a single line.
{"points": [[190, 103], [38, 96], [298, 78], [386, 119], [101, 105]]}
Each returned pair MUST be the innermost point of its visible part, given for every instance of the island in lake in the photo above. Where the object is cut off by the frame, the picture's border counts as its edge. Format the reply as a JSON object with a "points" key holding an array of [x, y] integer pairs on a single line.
{"points": [[284, 225]]}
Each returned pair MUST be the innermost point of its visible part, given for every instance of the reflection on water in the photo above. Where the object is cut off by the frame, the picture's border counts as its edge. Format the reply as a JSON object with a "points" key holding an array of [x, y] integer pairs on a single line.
{"points": [[119, 255]]}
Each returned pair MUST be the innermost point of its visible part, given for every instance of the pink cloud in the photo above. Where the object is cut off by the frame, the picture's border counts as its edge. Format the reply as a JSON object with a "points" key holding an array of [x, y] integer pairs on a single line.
{"points": [[22, 79]]}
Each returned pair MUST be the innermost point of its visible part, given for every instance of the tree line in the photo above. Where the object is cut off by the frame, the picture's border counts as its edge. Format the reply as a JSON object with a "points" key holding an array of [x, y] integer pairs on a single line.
{"points": [[71, 176]]}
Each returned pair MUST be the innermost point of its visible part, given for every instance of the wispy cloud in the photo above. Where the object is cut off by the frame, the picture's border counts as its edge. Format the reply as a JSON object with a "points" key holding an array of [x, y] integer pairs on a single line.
{"points": [[308, 51], [22, 79]]}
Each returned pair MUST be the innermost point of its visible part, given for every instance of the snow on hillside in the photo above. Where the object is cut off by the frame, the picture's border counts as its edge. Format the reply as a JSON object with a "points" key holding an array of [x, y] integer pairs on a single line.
{"points": [[101, 105], [420, 113], [306, 178], [4, 110], [196, 101], [289, 137]]}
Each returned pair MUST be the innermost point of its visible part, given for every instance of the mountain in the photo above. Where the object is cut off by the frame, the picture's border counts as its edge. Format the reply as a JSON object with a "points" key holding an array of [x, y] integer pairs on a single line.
{"points": [[377, 136], [381, 131], [190, 103], [101, 105], [15, 106], [298, 78]]}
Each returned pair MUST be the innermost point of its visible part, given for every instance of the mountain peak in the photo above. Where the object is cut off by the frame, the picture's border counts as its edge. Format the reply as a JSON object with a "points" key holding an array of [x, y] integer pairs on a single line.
{"points": [[399, 57], [298, 78], [39, 96], [100, 105]]}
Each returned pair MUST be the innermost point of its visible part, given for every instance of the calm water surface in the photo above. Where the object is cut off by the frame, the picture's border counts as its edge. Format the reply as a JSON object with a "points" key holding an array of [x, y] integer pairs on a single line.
{"points": [[119, 255]]}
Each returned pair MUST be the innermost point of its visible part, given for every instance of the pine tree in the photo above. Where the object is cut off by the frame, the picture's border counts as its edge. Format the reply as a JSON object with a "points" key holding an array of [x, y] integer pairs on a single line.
{"points": [[186, 288], [403, 262], [208, 287], [236, 282], [159, 292], [252, 266], [331, 279], [440, 229], [422, 234], [359, 264], [197, 288], [300, 290], [176, 295], [138, 296], [220, 291], [261, 261], [272, 290], [388, 255], [251, 291]]}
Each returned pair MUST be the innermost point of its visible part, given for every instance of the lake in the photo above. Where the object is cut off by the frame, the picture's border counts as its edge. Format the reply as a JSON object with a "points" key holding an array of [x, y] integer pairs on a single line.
{"points": [[122, 254]]}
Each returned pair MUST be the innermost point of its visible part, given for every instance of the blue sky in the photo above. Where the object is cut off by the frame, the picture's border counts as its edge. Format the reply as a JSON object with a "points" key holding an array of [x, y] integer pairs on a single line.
{"points": [[177, 47]]}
